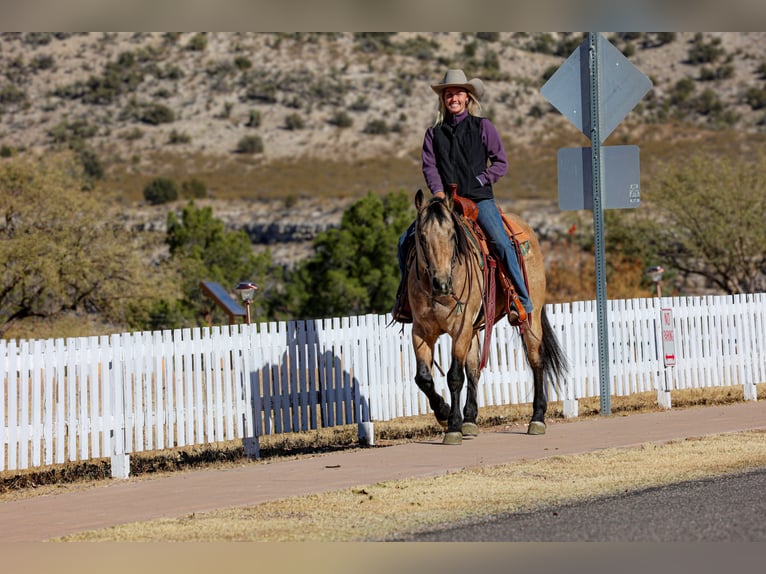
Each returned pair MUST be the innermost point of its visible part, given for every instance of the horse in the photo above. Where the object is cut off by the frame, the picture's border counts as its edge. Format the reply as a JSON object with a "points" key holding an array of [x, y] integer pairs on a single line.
{"points": [[445, 287]]}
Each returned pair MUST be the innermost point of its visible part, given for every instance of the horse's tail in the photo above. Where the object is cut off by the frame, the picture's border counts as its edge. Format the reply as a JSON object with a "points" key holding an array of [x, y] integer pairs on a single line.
{"points": [[555, 364]]}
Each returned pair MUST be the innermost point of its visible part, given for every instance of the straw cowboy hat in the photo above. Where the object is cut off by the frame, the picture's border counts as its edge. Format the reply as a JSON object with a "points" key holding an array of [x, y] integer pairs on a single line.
{"points": [[456, 78]]}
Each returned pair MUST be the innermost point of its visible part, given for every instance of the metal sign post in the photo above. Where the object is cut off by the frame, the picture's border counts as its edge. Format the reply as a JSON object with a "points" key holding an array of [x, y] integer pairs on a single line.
{"points": [[598, 224], [596, 100]]}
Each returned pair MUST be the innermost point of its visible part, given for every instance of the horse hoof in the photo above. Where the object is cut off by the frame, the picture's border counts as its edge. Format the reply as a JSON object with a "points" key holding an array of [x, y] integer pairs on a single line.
{"points": [[536, 427], [453, 438], [470, 429]]}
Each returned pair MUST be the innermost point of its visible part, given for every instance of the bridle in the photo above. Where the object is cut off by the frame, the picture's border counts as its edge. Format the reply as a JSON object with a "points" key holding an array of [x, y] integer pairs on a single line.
{"points": [[423, 265]]}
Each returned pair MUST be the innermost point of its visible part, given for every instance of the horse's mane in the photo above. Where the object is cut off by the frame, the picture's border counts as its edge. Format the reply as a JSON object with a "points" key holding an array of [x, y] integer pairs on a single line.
{"points": [[438, 211]]}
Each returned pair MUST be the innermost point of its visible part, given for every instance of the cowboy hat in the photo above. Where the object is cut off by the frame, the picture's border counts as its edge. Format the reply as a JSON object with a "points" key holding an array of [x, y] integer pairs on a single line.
{"points": [[456, 78]]}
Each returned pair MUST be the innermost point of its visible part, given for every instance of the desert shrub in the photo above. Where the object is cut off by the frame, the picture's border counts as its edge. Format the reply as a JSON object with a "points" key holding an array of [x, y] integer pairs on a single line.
{"points": [[681, 92], [371, 42], [42, 62], [665, 38], [629, 49], [708, 103], [243, 63], [11, 94], [541, 43], [194, 188], [536, 111], [177, 137], [723, 72], [38, 38], [197, 43], [341, 119], [702, 52], [155, 114], [756, 98], [294, 122], [419, 47], [360, 105], [91, 165], [72, 132], [161, 190], [250, 144], [376, 127], [488, 36], [263, 92], [170, 72], [133, 135], [254, 119]]}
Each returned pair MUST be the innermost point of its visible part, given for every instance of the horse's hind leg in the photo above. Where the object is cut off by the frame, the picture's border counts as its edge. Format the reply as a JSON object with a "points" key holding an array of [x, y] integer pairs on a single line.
{"points": [[424, 352], [533, 342], [471, 410]]}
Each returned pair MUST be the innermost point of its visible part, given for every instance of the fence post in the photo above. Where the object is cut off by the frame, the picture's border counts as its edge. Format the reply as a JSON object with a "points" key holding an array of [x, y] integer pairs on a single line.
{"points": [[120, 461]]}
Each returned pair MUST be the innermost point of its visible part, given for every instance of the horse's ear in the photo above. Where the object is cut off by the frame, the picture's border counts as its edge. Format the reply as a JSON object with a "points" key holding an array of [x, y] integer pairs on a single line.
{"points": [[418, 199], [450, 194]]}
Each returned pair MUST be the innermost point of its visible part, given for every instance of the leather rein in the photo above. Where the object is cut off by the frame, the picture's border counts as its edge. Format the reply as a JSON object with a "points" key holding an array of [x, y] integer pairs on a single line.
{"points": [[463, 250]]}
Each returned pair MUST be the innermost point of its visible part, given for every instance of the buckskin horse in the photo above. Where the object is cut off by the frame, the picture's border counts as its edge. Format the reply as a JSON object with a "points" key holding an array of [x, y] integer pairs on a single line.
{"points": [[445, 290]]}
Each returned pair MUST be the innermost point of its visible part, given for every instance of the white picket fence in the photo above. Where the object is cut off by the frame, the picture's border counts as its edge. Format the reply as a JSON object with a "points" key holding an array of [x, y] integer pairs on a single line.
{"points": [[92, 397]]}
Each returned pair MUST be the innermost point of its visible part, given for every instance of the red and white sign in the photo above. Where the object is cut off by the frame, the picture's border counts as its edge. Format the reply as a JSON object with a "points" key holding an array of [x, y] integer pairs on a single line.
{"points": [[668, 337]]}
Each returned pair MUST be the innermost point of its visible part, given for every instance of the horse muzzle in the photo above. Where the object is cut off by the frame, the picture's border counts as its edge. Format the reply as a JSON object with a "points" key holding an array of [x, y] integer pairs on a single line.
{"points": [[441, 286]]}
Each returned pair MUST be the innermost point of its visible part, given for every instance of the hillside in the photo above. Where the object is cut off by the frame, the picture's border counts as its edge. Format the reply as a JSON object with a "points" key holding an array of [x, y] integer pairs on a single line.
{"points": [[138, 99], [284, 128]]}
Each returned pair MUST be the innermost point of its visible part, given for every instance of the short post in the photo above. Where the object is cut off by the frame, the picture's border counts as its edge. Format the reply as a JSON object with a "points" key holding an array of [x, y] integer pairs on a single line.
{"points": [[666, 323], [247, 291], [367, 433]]}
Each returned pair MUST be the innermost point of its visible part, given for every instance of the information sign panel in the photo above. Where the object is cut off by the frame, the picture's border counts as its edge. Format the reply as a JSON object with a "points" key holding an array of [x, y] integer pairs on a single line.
{"points": [[668, 338]]}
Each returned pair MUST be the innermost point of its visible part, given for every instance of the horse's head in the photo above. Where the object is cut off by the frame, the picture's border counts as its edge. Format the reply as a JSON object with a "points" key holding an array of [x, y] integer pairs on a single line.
{"points": [[437, 241]]}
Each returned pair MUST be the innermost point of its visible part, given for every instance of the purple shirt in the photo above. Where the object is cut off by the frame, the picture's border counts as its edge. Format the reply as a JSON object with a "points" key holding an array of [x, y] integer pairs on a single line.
{"points": [[498, 162]]}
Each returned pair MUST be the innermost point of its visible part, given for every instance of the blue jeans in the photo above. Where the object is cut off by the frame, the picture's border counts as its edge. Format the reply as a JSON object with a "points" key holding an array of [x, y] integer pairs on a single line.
{"points": [[400, 247], [492, 224]]}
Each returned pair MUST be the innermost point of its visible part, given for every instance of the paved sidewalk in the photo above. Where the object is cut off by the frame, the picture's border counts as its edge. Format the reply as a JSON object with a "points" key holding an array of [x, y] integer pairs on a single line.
{"points": [[179, 494]]}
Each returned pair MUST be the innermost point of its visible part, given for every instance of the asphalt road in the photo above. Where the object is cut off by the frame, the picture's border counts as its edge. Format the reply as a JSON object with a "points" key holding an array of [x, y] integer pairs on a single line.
{"points": [[725, 509]]}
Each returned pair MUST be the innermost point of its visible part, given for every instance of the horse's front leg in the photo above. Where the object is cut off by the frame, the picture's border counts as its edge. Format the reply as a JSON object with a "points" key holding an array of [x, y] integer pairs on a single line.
{"points": [[471, 409], [424, 354], [455, 379], [461, 347]]}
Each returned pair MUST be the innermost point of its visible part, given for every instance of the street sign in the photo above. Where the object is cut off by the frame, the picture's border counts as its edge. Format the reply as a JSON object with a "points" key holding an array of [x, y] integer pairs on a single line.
{"points": [[622, 186], [668, 338], [595, 89], [622, 87]]}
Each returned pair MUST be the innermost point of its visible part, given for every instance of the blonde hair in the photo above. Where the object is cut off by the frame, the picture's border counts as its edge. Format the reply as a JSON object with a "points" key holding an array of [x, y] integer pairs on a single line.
{"points": [[473, 106]]}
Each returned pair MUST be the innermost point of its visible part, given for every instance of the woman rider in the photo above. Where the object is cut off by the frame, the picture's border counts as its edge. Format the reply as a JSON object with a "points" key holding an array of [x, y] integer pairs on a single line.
{"points": [[464, 148]]}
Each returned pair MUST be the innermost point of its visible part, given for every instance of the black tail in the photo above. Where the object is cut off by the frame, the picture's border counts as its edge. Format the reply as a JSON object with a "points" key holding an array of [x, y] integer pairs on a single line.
{"points": [[555, 364]]}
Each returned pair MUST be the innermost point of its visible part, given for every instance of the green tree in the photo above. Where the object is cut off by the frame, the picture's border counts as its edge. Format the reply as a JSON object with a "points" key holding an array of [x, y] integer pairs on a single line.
{"points": [[354, 268], [203, 250], [62, 252], [707, 216]]}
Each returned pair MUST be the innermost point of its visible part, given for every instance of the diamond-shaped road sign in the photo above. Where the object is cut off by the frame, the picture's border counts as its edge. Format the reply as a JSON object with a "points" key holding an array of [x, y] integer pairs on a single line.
{"points": [[622, 87]]}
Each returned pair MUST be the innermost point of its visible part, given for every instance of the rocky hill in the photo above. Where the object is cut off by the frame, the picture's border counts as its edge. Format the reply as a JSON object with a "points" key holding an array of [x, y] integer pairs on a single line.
{"points": [[284, 129]]}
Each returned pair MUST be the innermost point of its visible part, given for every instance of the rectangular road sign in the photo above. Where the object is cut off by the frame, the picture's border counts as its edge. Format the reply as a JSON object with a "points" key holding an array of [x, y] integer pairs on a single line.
{"points": [[668, 338], [622, 187]]}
